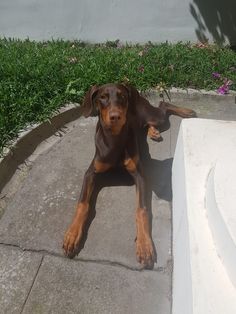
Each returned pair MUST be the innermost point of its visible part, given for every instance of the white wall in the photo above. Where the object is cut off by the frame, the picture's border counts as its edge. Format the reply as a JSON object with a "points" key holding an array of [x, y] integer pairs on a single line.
{"points": [[127, 20]]}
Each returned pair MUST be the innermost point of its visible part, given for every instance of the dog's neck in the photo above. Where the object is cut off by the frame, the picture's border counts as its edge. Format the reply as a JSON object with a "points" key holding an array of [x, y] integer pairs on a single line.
{"points": [[108, 144]]}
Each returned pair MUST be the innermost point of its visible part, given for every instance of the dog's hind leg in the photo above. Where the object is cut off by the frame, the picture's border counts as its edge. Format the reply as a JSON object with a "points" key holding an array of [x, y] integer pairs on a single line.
{"points": [[170, 109], [154, 134]]}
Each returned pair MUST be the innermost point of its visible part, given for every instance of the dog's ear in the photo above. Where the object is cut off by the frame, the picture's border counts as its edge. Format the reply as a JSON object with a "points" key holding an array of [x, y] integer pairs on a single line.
{"points": [[133, 96], [88, 106]]}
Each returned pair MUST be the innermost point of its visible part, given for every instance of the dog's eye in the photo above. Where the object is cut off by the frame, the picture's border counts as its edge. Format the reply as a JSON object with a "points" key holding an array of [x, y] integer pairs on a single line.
{"points": [[103, 97], [122, 97]]}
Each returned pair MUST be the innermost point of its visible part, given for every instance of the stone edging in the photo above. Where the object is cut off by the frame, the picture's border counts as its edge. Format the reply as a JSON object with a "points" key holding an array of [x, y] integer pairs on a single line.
{"points": [[189, 93], [202, 92]]}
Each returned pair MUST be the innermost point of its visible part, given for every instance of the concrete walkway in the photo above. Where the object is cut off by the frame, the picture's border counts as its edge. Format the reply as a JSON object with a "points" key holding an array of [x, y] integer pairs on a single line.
{"points": [[37, 206]]}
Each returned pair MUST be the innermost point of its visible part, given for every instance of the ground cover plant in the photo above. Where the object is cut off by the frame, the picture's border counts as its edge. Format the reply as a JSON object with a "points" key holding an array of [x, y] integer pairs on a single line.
{"points": [[36, 79]]}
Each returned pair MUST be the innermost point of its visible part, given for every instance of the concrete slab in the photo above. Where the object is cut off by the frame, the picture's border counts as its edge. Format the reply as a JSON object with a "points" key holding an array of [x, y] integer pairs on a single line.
{"points": [[43, 207], [17, 273], [65, 286]]}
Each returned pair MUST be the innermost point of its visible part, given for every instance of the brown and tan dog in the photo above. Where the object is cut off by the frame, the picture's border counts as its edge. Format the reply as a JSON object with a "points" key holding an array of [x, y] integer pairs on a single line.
{"points": [[122, 111]]}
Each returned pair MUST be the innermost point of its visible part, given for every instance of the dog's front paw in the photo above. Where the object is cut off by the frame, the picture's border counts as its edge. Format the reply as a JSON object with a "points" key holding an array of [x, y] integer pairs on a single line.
{"points": [[145, 252], [72, 240]]}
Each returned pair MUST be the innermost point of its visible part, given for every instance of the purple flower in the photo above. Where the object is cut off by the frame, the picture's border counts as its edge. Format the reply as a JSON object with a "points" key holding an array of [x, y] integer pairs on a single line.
{"points": [[224, 89], [216, 75]]}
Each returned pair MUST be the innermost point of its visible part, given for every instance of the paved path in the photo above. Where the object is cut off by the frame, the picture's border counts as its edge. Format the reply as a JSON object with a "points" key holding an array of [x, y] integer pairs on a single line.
{"points": [[38, 205]]}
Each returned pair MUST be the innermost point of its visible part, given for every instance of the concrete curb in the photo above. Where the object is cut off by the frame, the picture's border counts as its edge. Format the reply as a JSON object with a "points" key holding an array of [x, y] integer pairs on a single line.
{"points": [[202, 92], [30, 138], [189, 93]]}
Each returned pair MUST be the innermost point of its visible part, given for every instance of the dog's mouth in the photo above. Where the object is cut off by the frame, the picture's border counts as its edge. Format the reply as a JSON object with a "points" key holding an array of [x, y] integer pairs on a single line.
{"points": [[116, 125], [115, 128]]}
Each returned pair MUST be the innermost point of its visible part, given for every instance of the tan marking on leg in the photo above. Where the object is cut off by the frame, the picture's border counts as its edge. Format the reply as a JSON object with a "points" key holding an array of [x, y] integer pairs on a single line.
{"points": [[144, 246], [153, 133], [131, 163], [80, 216], [137, 198], [75, 231], [101, 166], [142, 221]]}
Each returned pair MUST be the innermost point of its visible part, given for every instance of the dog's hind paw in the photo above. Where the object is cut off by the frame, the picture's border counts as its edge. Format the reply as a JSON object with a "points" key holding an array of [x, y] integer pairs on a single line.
{"points": [[154, 134], [188, 113]]}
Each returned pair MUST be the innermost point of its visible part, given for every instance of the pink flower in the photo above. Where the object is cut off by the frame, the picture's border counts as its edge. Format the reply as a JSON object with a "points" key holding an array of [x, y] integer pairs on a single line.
{"points": [[224, 89], [216, 75]]}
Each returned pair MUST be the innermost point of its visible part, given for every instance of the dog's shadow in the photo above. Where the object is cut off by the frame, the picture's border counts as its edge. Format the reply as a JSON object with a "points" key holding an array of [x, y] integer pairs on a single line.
{"points": [[157, 176]]}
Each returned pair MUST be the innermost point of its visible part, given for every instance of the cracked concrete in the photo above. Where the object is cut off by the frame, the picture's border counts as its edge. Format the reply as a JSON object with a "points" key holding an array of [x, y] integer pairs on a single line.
{"points": [[17, 272], [38, 204], [95, 288]]}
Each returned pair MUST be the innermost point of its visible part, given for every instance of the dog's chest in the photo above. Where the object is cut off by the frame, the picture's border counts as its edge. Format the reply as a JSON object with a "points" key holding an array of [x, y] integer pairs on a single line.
{"points": [[111, 149]]}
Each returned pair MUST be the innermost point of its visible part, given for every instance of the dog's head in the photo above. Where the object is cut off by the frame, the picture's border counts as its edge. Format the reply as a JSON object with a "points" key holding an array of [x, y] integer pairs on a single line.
{"points": [[113, 102]]}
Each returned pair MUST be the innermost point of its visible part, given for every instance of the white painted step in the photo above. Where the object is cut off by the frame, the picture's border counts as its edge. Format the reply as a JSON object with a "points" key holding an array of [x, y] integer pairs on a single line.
{"points": [[203, 276], [221, 210]]}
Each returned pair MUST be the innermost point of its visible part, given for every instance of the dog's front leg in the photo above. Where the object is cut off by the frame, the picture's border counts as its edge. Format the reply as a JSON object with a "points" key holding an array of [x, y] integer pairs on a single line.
{"points": [[144, 245], [74, 233]]}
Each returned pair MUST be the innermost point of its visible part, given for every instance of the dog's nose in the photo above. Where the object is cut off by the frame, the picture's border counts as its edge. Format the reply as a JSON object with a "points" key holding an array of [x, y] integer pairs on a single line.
{"points": [[114, 116]]}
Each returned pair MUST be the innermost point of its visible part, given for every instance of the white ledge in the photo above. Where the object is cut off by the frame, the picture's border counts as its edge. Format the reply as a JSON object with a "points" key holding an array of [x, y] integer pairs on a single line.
{"points": [[204, 217], [221, 210]]}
